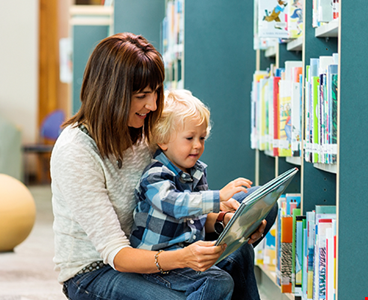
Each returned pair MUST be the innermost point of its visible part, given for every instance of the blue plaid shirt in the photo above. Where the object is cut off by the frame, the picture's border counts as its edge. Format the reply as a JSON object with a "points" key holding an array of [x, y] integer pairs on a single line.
{"points": [[172, 205]]}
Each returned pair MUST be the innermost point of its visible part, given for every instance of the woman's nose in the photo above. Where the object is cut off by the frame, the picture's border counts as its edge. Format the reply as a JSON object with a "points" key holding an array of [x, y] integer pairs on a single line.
{"points": [[151, 102]]}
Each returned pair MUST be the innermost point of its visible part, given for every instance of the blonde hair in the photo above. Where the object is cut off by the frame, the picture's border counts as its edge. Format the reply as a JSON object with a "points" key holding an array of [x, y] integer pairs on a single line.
{"points": [[178, 106]]}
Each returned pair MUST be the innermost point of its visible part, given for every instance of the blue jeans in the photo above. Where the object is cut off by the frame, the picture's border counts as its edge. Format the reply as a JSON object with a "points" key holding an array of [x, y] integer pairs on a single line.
{"points": [[107, 283], [214, 283]]}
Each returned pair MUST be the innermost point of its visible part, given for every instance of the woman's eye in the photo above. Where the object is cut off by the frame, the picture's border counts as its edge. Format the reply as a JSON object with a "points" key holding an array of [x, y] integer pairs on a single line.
{"points": [[141, 96]]}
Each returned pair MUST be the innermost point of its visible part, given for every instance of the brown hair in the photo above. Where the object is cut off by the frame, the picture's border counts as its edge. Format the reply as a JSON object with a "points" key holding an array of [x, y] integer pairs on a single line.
{"points": [[119, 66]]}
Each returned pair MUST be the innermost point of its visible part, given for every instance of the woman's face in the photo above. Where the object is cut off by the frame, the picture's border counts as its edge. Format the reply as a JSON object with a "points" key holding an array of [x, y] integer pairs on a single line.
{"points": [[142, 104]]}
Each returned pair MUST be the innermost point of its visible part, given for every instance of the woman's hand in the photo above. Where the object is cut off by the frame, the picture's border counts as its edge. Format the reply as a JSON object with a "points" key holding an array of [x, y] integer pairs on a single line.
{"points": [[201, 255], [256, 235], [234, 187]]}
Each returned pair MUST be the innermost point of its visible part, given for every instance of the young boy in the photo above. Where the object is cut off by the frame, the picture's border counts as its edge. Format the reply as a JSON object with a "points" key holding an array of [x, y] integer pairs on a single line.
{"points": [[173, 196]]}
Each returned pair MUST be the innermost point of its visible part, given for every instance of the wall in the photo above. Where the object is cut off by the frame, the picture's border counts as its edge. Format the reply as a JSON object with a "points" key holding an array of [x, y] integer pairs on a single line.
{"points": [[19, 65]]}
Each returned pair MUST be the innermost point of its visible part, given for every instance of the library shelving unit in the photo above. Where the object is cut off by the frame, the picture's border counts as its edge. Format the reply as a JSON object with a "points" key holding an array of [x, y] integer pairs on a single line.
{"points": [[88, 25], [342, 184], [216, 66]]}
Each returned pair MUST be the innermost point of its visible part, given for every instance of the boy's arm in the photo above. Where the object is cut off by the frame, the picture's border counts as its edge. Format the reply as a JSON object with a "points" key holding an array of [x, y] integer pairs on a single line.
{"points": [[159, 190]]}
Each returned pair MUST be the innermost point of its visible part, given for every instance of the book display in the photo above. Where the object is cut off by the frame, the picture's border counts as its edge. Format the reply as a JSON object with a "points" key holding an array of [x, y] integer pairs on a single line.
{"points": [[323, 243]]}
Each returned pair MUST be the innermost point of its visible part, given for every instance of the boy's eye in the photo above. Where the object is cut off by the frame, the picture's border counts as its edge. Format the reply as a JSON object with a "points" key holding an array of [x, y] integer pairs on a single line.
{"points": [[189, 138], [203, 137]]}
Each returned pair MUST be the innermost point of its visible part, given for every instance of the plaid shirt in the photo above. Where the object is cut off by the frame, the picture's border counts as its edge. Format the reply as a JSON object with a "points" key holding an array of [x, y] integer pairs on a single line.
{"points": [[172, 205]]}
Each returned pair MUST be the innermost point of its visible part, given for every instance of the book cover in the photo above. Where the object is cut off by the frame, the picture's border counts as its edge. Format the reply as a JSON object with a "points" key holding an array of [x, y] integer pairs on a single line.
{"points": [[332, 111], [299, 254], [295, 20], [285, 118], [330, 264], [281, 212], [276, 116], [311, 235], [296, 212], [263, 114], [269, 255], [272, 19], [252, 211], [305, 261], [334, 117], [286, 253], [292, 202], [307, 117], [296, 104], [315, 113]]}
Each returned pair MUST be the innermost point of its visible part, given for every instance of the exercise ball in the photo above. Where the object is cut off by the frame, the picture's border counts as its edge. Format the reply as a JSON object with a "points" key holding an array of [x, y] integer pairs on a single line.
{"points": [[17, 212]]}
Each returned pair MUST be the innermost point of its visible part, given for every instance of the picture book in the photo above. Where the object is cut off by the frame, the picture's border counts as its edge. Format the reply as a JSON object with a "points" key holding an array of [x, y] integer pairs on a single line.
{"points": [[285, 118], [252, 211], [282, 211], [299, 254], [295, 212], [295, 19], [286, 253], [269, 252], [272, 19], [310, 256], [296, 104], [276, 116]]}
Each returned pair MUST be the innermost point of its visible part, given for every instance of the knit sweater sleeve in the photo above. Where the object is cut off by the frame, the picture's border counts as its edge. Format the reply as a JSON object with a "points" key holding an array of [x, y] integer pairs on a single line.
{"points": [[82, 207]]}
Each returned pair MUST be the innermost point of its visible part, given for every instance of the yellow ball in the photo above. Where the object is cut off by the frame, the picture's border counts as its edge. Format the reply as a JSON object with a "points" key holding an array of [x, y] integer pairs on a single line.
{"points": [[17, 212]]}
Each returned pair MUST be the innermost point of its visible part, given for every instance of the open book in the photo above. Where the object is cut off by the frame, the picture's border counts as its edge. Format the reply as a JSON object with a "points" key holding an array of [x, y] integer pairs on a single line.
{"points": [[251, 212]]}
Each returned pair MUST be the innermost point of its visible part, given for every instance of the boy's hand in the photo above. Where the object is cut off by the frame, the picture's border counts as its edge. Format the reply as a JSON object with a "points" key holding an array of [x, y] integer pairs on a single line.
{"points": [[234, 187], [229, 205]]}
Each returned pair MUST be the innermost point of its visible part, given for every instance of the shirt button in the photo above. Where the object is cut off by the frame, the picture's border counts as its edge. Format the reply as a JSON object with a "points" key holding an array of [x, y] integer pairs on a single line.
{"points": [[194, 237], [191, 222]]}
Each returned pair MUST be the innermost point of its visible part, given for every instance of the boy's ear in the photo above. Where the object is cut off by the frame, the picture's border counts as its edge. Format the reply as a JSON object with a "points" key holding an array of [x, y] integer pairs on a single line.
{"points": [[163, 146]]}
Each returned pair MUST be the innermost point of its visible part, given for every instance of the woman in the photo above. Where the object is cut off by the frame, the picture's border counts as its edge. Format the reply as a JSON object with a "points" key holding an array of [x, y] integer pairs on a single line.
{"points": [[95, 165]]}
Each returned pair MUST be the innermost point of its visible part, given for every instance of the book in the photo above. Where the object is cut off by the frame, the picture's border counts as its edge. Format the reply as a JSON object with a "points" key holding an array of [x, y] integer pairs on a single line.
{"points": [[276, 116], [269, 255], [252, 211], [285, 118], [299, 254], [296, 104], [282, 211], [310, 256], [295, 213], [295, 20], [286, 253], [272, 19]]}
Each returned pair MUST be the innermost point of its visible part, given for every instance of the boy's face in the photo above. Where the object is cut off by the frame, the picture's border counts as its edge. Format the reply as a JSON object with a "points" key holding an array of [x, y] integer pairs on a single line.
{"points": [[186, 145]]}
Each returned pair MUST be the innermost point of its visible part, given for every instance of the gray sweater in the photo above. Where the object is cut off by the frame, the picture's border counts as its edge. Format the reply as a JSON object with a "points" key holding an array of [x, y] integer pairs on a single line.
{"points": [[93, 201]]}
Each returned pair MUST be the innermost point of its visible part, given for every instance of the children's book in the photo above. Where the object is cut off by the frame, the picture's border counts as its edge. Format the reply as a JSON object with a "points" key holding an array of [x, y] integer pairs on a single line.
{"points": [[272, 19], [295, 213], [276, 116], [311, 237], [286, 253], [285, 118], [295, 20], [252, 211], [299, 254]]}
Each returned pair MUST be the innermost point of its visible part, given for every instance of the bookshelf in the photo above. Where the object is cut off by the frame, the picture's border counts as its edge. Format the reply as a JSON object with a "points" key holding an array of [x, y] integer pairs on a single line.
{"points": [[341, 184], [216, 64]]}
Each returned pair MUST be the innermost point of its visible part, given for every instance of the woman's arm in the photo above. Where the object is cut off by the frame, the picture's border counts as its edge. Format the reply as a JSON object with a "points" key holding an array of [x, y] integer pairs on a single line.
{"points": [[198, 256]]}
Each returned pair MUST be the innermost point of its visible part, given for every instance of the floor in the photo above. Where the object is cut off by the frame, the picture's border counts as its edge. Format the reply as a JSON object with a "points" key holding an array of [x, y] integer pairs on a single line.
{"points": [[28, 272]]}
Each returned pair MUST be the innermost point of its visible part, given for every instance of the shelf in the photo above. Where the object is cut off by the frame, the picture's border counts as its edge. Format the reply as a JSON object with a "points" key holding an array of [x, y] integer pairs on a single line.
{"points": [[331, 168], [295, 45], [272, 277], [331, 29], [293, 160], [270, 51]]}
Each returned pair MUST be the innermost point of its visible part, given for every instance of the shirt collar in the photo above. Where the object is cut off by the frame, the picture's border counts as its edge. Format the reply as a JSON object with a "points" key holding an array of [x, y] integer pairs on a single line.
{"points": [[195, 172]]}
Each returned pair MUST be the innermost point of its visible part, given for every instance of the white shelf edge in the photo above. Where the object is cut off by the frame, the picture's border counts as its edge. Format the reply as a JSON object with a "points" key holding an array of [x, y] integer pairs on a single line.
{"points": [[270, 51], [331, 29], [294, 160], [272, 276], [331, 168], [295, 45]]}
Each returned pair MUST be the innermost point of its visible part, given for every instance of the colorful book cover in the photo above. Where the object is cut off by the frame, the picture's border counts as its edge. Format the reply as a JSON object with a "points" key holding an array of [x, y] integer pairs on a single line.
{"points": [[292, 202], [272, 19], [315, 112], [281, 212], [263, 114], [285, 118], [307, 117], [296, 212], [286, 253], [299, 254], [311, 235], [330, 264], [332, 111], [295, 20], [305, 261], [334, 117], [296, 104], [276, 116], [269, 255]]}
